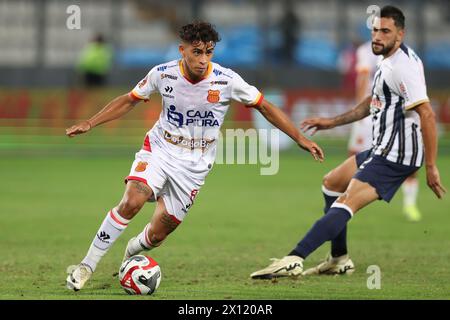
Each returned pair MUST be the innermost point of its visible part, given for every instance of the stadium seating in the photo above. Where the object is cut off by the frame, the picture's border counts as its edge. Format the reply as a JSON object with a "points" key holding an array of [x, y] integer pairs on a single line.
{"points": [[248, 32]]}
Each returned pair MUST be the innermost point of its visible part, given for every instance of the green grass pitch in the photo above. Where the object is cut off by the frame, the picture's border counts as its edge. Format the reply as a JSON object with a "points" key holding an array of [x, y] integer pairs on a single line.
{"points": [[52, 205]]}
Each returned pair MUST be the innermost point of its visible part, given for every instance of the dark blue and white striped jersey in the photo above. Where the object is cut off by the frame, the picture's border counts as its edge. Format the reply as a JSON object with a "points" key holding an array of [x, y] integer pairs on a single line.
{"points": [[398, 87]]}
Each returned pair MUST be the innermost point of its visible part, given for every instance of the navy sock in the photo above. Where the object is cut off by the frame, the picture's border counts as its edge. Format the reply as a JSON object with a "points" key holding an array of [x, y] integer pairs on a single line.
{"points": [[329, 200], [326, 228], [338, 244]]}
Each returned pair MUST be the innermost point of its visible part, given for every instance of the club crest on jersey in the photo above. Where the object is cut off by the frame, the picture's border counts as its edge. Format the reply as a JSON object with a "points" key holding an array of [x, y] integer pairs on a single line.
{"points": [[213, 96], [142, 165]]}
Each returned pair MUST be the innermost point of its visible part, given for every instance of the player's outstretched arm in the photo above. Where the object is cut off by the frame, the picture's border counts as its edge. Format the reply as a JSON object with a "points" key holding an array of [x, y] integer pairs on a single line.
{"points": [[113, 110], [359, 112], [280, 120], [428, 124]]}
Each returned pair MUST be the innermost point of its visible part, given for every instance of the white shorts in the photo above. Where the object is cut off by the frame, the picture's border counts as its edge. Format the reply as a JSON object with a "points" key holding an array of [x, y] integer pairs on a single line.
{"points": [[361, 135], [177, 187]]}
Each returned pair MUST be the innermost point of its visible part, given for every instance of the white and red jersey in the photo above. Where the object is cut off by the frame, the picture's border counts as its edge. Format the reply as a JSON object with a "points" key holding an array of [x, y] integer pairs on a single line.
{"points": [[192, 113]]}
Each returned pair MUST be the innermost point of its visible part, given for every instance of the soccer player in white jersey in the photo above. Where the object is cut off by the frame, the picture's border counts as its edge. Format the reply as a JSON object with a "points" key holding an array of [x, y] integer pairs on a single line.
{"points": [[404, 137], [179, 151], [361, 133]]}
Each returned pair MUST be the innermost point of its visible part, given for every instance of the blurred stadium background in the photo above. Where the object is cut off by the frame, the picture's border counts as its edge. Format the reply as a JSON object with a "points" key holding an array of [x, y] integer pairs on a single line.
{"points": [[299, 53]]}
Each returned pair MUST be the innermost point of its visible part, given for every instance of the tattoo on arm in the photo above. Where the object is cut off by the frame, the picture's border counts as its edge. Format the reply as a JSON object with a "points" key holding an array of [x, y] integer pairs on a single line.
{"points": [[167, 221], [141, 187], [359, 112]]}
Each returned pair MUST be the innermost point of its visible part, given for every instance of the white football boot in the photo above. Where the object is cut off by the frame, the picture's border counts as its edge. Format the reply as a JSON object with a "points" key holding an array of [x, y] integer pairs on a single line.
{"points": [[337, 265], [289, 266], [127, 254], [78, 275], [131, 251]]}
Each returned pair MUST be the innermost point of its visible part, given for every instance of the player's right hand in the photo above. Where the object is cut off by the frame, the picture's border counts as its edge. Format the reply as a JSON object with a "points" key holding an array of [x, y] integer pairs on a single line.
{"points": [[315, 124], [434, 181], [79, 128]]}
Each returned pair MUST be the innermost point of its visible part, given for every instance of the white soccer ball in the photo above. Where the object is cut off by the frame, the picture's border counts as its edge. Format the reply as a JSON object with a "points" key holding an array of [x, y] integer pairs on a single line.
{"points": [[140, 275]]}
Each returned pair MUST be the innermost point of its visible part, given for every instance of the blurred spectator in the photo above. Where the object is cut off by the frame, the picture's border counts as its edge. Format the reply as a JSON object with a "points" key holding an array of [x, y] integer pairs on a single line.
{"points": [[95, 62], [347, 67], [289, 27]]}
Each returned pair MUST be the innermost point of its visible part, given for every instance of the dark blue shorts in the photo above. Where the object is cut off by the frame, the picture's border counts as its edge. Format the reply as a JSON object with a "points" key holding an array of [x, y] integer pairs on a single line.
{"points": [[384, 175]]}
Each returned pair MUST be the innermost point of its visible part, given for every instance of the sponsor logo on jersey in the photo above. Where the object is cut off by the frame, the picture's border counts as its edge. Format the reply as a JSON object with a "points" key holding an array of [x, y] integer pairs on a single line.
{"points": [[168, 90], [175, 118], [188, 143], [375, 105], [194, 193], [217, 72], [169, 76], [213, 96], [220, 83], [192, 117], [404, 91], [162, 68], [141, 166], [143, 82]]}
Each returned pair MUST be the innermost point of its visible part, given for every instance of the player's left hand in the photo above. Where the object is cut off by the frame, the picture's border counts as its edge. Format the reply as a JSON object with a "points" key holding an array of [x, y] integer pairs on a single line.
{"points": [[434, 181], [312, 148]]}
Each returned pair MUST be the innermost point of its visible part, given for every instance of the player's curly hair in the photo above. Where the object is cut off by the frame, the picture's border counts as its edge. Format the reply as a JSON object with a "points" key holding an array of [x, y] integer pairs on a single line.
{"points": [[199, 31]]}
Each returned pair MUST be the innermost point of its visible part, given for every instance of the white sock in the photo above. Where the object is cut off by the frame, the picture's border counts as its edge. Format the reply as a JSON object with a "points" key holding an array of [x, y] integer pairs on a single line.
{"points": [[410, 189], [111, 228], [141, 242]]}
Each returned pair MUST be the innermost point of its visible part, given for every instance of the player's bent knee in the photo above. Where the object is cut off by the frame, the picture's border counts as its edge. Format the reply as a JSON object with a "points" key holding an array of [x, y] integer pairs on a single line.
{"points": [[332, 183], [129, 207]]}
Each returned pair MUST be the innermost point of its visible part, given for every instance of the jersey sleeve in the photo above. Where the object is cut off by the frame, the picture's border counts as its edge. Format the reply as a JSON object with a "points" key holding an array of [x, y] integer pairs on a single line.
{"points": [[410, 85], [145, 87], [242, 92]]}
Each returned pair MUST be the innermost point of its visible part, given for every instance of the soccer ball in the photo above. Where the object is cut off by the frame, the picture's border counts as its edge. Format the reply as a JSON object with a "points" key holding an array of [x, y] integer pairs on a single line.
{"points": [[140, 275]]}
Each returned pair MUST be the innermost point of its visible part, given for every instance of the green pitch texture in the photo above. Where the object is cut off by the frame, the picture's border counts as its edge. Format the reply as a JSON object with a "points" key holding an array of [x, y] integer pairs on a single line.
{"points": [[55, 193]]}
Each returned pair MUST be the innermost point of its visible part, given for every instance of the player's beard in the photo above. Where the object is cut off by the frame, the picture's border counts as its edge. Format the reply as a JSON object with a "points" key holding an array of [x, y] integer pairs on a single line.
{"points": [[385, 48]]}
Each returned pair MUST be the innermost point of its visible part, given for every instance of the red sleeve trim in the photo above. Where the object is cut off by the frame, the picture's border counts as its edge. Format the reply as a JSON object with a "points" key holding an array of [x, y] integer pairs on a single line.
{"points": [[257, 103], [135, 97], [261, 98]]}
